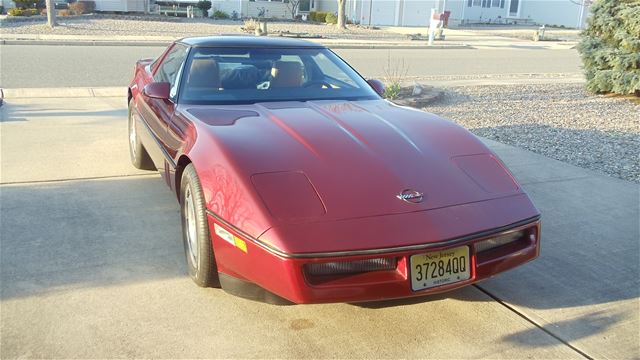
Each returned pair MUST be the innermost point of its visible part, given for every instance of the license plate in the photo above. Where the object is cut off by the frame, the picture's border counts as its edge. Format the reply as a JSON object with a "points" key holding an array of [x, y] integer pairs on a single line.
{"points": [[439, 268]]}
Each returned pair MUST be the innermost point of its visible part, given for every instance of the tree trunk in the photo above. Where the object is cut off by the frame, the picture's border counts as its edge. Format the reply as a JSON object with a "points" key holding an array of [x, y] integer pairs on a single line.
{"points": [[342, 21], [51, 14]]}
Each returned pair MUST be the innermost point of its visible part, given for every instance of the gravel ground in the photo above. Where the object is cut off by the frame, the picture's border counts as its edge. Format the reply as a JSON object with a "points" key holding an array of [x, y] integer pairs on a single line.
{"points": [[181, 27], [560, 121]]}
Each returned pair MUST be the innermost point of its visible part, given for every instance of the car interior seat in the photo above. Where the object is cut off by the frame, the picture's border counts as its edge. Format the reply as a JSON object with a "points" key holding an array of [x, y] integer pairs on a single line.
{"points": [[204, 74], [285, 74], [239, 77]]}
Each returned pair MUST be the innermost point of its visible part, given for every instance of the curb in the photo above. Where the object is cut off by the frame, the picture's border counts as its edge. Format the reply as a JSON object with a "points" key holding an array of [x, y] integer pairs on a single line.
{"points": [[165, 43], [83, 42]]}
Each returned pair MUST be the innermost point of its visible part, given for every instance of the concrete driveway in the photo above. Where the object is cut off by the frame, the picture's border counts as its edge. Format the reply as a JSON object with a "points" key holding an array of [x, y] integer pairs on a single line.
{"points": [[92, 265]]}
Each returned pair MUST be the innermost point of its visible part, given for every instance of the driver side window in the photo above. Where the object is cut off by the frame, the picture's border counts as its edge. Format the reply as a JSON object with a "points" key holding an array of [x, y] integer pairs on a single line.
{"points": [[171, 67]]}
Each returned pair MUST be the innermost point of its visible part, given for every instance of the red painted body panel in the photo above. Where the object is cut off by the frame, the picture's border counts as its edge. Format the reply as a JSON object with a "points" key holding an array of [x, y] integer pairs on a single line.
{"points": [[357, 155], [296, 178]]}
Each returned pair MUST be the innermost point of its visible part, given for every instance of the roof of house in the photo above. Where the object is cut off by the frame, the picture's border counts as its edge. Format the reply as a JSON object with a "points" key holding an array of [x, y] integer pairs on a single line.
{"points": [[247, 41]]}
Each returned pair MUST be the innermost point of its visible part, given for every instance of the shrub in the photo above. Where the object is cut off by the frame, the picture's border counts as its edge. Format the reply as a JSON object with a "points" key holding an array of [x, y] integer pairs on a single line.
{"points": [[395, 73], [204, 6], [250, 25], [331, 18], [22, 12], [30, 4], [392, 91], [218, 14], [318, 16], [312, 16], [610, 47], [82, 7], [64, 13]]}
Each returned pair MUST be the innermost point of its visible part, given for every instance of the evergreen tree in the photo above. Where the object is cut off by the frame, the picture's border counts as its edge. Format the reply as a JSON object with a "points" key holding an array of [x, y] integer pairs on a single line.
{"points": [[610, 47]]}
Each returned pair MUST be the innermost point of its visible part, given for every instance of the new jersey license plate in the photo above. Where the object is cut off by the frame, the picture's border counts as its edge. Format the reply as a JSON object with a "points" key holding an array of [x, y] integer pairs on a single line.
{"points": [[439, 268]]}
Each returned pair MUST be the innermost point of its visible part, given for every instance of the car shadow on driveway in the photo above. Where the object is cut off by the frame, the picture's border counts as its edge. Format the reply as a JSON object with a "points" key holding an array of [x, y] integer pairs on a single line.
{"points": [[71, 234]]}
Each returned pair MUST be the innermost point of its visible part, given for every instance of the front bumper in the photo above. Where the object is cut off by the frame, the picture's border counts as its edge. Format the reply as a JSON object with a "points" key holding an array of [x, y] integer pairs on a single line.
{"points": [[254, 271]]}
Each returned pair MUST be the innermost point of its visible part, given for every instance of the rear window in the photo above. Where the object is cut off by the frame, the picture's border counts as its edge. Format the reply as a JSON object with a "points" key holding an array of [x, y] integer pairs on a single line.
{"points": [[243, 75]]}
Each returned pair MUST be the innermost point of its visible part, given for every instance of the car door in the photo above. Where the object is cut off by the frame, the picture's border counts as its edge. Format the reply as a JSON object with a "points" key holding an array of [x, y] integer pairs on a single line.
{"points": [[157, 113]]}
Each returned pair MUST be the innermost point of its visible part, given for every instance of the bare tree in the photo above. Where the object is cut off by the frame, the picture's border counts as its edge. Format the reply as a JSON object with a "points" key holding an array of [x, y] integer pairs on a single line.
{"points": [[293, 5], [341, 14], [51, 14]]}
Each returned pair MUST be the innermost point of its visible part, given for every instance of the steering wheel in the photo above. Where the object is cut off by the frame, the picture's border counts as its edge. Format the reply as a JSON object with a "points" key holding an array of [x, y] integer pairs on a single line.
{"points": [[319, 83]]}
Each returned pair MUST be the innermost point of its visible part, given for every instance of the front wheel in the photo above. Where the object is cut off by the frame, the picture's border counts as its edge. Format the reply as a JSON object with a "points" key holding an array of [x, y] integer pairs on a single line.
{"points": [[138, 154], [195, 231]]}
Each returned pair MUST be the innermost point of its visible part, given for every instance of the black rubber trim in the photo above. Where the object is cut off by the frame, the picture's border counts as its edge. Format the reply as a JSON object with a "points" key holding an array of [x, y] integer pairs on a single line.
{"points": [[450, 242], [249, 290], [167, 157]]}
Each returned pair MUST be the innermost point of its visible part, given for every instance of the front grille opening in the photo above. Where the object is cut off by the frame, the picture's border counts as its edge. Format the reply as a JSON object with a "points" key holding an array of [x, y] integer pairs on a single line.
{"points": [[502, 240], [351, 267]]}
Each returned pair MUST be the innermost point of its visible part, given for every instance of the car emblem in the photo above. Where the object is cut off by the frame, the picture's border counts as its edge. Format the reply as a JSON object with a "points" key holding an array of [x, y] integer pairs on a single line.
{"points": [[411, 196]]}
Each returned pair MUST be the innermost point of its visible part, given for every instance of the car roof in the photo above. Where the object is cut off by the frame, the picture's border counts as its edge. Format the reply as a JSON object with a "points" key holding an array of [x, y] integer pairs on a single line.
{"points": [[245, 41]]}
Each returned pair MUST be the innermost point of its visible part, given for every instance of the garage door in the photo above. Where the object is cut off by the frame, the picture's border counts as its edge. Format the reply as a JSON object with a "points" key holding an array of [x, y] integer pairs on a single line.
{"points": [[416, 13], [383, 12]]}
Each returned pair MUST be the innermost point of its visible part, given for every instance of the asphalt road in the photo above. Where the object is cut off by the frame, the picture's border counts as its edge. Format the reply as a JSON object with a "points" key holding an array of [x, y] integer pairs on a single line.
{"points": [[31, 66], [92, 265]]}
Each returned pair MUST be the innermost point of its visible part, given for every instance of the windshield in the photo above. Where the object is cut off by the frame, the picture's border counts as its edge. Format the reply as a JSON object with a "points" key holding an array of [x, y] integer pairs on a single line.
{"points": [[241, 75]]}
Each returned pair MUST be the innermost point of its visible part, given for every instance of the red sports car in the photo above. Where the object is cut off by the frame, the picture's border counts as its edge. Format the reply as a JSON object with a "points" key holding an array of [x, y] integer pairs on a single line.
{"points": [[299, 183]]}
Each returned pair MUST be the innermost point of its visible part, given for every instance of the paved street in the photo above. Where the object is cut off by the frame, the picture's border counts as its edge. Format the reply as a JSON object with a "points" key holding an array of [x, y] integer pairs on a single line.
{"points": [[92, 265], [23, 66]]}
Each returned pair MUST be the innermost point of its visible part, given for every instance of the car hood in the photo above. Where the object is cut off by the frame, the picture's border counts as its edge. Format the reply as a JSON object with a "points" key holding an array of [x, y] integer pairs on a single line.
{"points": [[336, 160]]}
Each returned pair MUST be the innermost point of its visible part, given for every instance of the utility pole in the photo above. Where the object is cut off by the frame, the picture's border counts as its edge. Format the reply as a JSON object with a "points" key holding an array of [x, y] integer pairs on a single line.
{"points": [[581, 17], [51, 14], [341, 14]]}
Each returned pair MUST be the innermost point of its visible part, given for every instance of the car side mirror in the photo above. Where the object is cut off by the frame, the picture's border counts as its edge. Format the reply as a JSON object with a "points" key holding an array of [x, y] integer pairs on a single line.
{"points": [[377, 85], [158, 90]]}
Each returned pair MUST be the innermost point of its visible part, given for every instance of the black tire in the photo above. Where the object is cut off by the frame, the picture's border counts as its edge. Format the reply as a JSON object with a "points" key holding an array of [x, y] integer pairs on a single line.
{"points": [[201, 262], [138, 154]]}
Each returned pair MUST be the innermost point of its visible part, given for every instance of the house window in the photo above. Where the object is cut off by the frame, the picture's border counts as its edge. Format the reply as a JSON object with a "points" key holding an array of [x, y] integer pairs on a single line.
{"points": [[476, 2], [469, 3], [502, 4], [486, 3], [495, 3]]}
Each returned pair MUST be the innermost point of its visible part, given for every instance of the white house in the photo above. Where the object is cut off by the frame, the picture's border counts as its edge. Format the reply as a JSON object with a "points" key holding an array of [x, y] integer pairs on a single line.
{"points": [[106, 5], [272, 8], [244, 8], [122, 5], [569, 13]]}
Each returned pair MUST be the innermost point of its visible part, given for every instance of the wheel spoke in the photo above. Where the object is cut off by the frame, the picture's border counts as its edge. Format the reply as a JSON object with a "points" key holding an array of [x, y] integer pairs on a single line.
{"points": [[190, 226], [132, 136]]}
